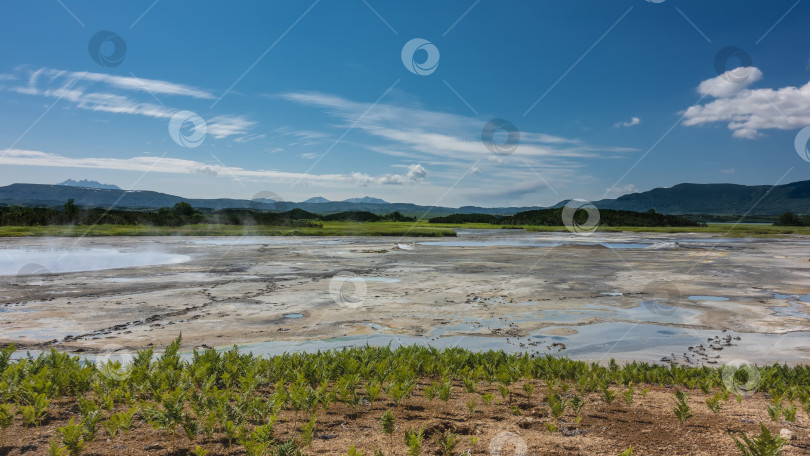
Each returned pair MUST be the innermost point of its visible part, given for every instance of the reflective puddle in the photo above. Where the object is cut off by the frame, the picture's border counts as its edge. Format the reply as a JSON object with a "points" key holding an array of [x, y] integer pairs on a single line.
{"points": [[35, 261]]}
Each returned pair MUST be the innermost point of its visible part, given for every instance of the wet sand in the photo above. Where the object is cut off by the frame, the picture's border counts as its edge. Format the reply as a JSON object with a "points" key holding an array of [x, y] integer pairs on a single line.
{"points": [[621, 295]]}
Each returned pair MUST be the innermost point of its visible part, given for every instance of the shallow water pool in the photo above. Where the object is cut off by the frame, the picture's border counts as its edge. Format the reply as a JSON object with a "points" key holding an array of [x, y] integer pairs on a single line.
{"points": [[41, 261]]}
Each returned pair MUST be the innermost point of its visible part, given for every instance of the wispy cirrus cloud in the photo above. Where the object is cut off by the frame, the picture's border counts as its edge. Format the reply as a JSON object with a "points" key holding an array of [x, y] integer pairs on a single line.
{"points": [[224, 126], [424, 133], [124, 95], [748, 111]]}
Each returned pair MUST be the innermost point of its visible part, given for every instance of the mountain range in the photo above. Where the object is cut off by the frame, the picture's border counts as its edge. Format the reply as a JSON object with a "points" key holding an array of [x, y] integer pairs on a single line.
{"points": [[719, 199]]}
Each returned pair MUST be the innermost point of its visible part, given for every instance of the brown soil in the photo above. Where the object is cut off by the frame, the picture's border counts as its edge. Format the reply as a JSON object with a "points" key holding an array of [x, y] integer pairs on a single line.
{"points": [[648, 425]]}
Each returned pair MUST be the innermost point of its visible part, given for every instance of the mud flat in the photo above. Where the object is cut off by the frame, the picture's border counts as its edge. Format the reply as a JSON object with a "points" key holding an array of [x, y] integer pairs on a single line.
{"points": [[684, 298]]}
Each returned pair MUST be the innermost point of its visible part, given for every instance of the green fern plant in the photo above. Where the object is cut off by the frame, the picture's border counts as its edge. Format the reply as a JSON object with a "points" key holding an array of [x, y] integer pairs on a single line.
{"points": [[413, 439], [682, 410], [6, 420], [556, 404], [388, 422], [775, 408], [55, 449], [628, 394], [72, 436], [308, 431], [528, 388], [447, 442], [609, 395], [354, 452], [472, 407], [763, 444], [714, 404], [789, 412]]}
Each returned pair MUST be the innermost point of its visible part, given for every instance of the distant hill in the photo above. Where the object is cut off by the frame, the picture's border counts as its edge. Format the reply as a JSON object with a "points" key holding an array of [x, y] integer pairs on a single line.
{"points": [[725, 199], [56, 195], [88, 184], [317, 199], [682, 199], [365, 200]]}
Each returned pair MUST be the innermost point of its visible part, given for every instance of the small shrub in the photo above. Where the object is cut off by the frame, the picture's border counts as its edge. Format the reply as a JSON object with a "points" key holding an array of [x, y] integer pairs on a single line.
{"points": [[764, 444], [413, 439], [472, 407], [789, 413], [6, 419], [447, 442], [714, 403], [72, 436], [682, 410]]}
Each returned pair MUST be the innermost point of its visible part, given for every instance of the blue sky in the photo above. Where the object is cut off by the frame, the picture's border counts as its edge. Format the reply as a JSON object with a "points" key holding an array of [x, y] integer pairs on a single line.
{"points": [[314, 97]]}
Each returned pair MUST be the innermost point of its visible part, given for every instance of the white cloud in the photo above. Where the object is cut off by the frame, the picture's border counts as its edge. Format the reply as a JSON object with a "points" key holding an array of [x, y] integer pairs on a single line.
{"points": [[249, 138], [223, 126], [153, 86], [152, 164], [748, 111], [432, 133], [728, 171], [632, 123], [730, 82], [75, 88], [416, 173]]}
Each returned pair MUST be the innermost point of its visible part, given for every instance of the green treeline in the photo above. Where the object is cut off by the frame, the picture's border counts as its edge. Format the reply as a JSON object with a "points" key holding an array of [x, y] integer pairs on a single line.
{"points": [[553, 217], [791, 219], [179, 215]]}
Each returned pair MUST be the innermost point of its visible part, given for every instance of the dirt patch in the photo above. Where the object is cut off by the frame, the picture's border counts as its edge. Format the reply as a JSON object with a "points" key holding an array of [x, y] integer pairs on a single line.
{"points": [[648, 425]]}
